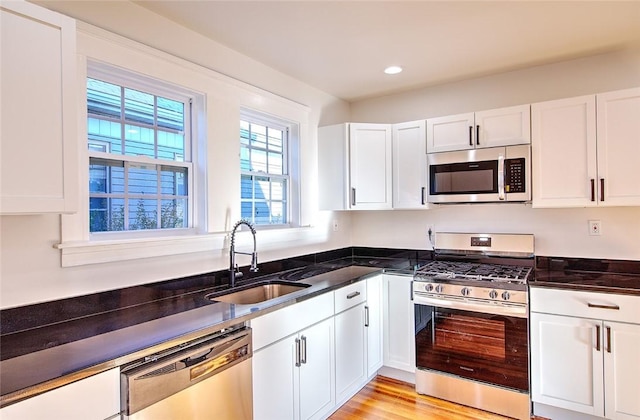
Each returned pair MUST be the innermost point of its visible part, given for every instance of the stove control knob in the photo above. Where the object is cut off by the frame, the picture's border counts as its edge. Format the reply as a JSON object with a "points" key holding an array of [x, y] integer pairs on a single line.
{"points": [[429, 287], [465, 291], [506, 295], [439, 288], [493, 294]]}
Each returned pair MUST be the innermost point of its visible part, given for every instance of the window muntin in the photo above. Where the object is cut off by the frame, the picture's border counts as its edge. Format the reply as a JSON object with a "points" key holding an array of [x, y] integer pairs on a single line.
{"points": [[139, 159], [265, 178]]}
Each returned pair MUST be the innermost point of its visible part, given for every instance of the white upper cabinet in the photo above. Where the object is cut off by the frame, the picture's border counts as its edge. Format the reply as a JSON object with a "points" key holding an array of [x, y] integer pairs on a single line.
{"points": [[492, 128], [580, 160], [354, 166], [618, 135], [453, 132], [38, 133], [563, 149], [370, 166], [409, 142]]}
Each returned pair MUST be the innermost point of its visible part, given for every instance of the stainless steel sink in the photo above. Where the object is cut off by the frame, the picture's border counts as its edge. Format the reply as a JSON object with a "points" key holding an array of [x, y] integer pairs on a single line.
{"points": [[259, 292]]}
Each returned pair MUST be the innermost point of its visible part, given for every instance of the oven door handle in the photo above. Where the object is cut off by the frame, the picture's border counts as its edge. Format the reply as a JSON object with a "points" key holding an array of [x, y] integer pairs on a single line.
{"points": [[501, 177], [465, 304]]}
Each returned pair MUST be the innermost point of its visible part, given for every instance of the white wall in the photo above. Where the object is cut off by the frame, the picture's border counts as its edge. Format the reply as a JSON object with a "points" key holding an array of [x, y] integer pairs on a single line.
{"points": [[559, 232], [30, 266]]}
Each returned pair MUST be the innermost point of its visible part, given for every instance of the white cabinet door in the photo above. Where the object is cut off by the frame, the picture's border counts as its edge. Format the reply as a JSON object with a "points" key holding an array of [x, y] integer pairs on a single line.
{"points": [[38, 131], [351, 360], [618, 136], [317, 383], [453, 132], [566, 363], [373, 323], [503, 127], [93, 398], [563, 146], [275, 379], [622, 370], [399, 335], [370, 166], [409, 165]]}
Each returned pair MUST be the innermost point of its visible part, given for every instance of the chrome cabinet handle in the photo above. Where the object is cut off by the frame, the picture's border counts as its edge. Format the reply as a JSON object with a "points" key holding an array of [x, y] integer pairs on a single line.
{"points": [[596, 305], [353, 196], [298, 355], [366, 316], [597, 337], [303, 350], [608, 339], [352, 295], [422, 197]]}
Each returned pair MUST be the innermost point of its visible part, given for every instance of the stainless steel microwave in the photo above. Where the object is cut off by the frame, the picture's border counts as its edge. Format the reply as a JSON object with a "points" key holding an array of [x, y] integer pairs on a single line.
{"points": [[496, 174]]}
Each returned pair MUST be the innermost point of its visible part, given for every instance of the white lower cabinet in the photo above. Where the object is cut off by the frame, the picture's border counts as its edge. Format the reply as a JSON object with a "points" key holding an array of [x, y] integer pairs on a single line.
{"points": [[398, 328], [94, 398], [351, 347], [583, 358], [293, 361], [288, 385], [351, 340], [373, 322]]}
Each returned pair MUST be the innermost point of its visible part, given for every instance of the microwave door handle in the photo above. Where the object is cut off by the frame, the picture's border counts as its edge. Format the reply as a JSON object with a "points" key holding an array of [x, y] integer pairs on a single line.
{"points": [[501, 177]]}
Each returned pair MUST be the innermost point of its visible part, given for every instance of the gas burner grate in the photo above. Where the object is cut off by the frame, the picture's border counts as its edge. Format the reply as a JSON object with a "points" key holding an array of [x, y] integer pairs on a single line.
{"points": [[476, 271]]}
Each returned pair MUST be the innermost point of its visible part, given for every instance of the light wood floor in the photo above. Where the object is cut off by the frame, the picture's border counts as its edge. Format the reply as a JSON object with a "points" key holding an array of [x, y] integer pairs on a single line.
{"points": [[388, 399]]}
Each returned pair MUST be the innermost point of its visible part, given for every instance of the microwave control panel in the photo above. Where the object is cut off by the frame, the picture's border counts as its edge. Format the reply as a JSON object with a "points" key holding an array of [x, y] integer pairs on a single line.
{"points": [[514, 175]]}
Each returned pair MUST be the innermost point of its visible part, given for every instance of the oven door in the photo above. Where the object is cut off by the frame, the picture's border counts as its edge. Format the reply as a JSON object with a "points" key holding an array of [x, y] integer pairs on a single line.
{"points": [[478, 346]]}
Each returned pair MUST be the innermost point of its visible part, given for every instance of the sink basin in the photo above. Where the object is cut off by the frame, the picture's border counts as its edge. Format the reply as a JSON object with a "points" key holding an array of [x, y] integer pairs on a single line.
{"points": [[259, 292]]}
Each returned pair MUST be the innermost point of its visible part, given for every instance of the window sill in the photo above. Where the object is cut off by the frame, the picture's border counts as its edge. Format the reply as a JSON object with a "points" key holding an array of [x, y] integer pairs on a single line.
{"points": [[96, 252], [107, 251]]}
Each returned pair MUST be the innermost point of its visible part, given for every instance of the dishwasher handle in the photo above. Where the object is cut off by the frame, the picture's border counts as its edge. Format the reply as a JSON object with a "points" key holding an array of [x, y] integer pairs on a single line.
{"points": [[152, 382]]}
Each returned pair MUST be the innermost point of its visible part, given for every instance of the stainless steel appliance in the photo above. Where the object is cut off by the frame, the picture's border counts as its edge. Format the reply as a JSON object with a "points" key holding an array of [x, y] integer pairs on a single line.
{"points": [[209, 378], [496, 174], [471, 329]]}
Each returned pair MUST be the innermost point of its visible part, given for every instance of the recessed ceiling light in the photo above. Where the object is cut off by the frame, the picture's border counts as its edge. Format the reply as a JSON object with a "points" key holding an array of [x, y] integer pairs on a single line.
{"points": [[393, 70]]}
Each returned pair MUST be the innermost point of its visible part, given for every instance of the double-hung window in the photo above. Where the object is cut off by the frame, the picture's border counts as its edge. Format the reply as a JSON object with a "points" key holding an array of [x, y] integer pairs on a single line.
{"points": [[140, 167], [265, 167]]}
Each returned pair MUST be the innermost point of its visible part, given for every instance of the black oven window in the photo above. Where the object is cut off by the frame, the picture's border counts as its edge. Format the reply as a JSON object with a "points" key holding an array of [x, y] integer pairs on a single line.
{"points": [[484, 347]]}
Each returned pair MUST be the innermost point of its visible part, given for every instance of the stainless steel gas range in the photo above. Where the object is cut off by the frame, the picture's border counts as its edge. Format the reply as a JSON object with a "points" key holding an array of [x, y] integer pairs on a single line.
{"points": [[471, 310]]}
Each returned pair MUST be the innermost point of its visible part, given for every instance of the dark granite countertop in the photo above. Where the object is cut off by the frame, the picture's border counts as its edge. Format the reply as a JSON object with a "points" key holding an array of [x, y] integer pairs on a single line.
{"points": [[605, 276], [47, 345]]}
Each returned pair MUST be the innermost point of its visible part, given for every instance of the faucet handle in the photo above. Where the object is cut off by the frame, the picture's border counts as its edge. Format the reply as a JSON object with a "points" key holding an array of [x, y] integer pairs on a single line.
{"points": [[254, 262], [238, 273]]}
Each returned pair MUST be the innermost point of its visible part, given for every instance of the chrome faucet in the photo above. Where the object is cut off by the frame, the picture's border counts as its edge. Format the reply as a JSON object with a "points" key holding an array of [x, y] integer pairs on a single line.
{"points": [[234, 271]]}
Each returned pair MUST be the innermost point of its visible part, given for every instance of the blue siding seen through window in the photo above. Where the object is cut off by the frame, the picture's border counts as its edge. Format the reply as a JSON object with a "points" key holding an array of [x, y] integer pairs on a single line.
{"points": [[125, 194]]}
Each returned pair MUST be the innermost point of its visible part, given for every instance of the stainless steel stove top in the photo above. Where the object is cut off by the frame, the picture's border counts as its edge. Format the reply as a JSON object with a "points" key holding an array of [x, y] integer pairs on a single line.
{"points": [[460, 270], [484, 272]]}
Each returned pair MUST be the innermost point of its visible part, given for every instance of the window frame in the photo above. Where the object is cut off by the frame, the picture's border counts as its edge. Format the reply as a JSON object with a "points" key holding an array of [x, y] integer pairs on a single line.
{"points": [[147, 84], [291, 172]]}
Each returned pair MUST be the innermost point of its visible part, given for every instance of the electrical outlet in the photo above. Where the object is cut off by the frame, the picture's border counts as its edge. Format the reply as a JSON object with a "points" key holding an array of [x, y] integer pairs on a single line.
{"points": [[594, 228], [335, 225]]}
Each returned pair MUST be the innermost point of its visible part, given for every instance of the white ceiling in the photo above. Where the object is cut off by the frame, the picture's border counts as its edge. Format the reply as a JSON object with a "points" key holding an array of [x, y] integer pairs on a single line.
{"points": [[342, 47]]}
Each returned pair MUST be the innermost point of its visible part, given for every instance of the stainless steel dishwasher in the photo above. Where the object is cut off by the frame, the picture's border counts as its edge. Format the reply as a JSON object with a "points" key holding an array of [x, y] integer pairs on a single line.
{"points": [[209, 378]]}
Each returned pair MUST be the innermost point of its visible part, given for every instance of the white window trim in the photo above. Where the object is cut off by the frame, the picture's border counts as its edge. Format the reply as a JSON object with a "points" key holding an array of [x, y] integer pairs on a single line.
{"points": [[104, 46], [292, 163]]}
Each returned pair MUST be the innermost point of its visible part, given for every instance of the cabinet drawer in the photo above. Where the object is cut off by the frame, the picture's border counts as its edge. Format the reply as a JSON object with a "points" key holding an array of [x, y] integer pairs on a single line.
{"points": [[350, 296], [605, 306], [276, 325]]}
